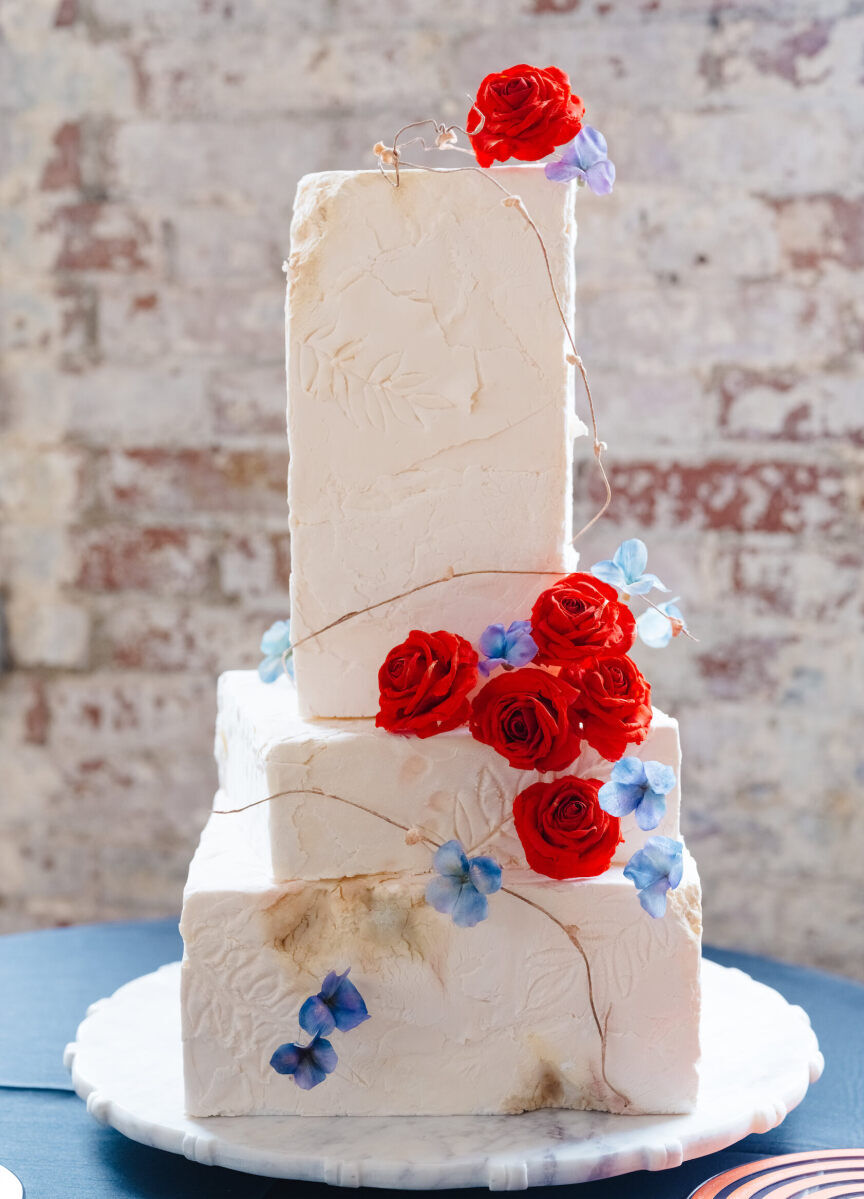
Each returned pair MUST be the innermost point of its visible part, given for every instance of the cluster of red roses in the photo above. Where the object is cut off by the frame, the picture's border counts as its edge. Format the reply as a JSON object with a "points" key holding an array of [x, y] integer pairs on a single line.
{"points": [[584, 687]]}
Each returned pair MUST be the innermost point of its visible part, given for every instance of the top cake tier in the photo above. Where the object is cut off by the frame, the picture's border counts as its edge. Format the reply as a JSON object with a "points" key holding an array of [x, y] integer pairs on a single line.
{"points": [[430, 413]]}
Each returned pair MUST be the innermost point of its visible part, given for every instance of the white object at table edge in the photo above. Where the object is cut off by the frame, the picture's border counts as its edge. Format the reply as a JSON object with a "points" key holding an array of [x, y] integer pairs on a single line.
{"points": [[759, 1055]]}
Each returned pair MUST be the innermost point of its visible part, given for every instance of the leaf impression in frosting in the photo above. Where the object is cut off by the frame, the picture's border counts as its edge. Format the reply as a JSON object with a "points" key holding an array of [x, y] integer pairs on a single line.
{"points": [[373, 394]]}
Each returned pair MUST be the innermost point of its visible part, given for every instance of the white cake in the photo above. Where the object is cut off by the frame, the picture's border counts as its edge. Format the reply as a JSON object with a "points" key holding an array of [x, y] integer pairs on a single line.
{"points": [[431, 425]]}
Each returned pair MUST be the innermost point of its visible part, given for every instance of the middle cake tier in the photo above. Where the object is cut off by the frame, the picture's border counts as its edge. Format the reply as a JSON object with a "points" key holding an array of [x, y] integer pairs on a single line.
{"points": [[349, 799]]}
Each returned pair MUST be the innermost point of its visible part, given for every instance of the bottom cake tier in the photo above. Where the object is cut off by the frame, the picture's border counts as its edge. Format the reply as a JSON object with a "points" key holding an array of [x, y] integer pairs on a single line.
{"points": [[568, 995]]}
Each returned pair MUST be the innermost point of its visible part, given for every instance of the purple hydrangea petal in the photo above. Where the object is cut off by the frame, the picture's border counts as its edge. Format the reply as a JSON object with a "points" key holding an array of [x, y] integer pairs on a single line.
{"points": [[471, 907], [619, 799], [676, 872], [650, 810], [609, 572], [316, 1016], [521, 650], [519, 626], [662, 853], [450, 859], [348, 1006], [270, 669], [630, 771], [442, 893], [653, 898], [323, 1055], [487, 665], [277, 639], [600, 177], [590, 146], [631, 557], [485, 875], [286, 1059], [660, 778], [331, 983], [563, 172], [493, 641], [654, 629]]}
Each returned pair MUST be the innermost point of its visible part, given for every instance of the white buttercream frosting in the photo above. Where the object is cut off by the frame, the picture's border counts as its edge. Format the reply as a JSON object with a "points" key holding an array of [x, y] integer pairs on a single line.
{"points": [[430, 413], [497, 1018], [449, 785]]}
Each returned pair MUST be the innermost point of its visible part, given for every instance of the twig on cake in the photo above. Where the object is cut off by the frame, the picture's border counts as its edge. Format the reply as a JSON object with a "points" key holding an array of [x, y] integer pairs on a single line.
{"points": [[571, 932], [415, 833]]}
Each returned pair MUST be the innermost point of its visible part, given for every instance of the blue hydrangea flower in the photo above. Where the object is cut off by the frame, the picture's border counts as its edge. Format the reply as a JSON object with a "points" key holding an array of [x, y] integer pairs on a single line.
{"points": [[462, 886], [656, 869], [655, 628], [337, 1005], [585, 160], [626, 569], [310, 1064], [639, 787], [507, 647], [276, 648]]}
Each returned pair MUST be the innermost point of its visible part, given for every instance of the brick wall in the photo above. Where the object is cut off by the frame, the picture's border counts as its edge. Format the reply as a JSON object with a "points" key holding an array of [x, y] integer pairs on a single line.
{"points": [[149, 154]]}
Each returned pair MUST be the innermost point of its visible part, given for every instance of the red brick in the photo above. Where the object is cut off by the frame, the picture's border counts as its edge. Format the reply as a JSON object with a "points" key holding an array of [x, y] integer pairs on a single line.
{"points": [[725, 494], [820, 229], [64, 169], [100, 237], [195, 481], [123, 557]]}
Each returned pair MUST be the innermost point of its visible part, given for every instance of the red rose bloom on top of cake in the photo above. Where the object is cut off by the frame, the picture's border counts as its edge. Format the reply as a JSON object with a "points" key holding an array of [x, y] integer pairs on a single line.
{"points": [[613, 703], [527, 113], [425, 683], [564, 831], [577, 617], [525, 716]]}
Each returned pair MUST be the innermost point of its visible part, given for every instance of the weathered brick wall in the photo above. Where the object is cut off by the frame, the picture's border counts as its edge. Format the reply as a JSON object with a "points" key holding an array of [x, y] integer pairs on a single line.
{"points": [[149, 154]]}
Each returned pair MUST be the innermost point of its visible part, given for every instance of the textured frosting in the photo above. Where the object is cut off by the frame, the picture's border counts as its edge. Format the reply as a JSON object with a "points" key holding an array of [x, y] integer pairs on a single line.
{"points": [[449, 785], [430, 413], [497, 1018]]}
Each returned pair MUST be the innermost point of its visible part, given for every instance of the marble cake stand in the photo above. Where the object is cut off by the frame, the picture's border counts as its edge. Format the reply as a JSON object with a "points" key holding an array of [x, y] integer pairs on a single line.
{"points": [[759, 1057]]}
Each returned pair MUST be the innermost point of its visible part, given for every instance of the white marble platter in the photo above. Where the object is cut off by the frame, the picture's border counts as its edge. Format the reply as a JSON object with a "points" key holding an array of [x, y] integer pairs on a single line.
{"points": [[759, 1057]]}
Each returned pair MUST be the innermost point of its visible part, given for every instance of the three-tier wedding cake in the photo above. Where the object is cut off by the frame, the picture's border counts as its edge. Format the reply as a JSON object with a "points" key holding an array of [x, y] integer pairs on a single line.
{"points": [[466, 800]]}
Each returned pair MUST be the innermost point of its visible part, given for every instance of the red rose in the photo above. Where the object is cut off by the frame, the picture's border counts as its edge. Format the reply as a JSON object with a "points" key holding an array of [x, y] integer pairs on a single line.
{"points": [[528, 112], [525, 716], [425, 683], [578, 617], [564, 831], [613, 703]]}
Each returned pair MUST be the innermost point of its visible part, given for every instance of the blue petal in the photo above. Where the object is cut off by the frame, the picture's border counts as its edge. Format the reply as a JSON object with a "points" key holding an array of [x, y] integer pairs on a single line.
{"points": [[676, 871], [600, 177], [485, 875], [641, 871], [443, 893], [348, 1006], [664, 854], [653, 898], [487, 665], [630, 771], [619, 799], [632, 557], [590, 146], [450, 859], [646, 583], [269, 669], [471, 907], [609, 572], [277, 638], [661, 778], [651, 810], [493, 641], [522, 650], [316, 1017], [654, 629], [563, 172], [322, 1053], [287, 1058], [332, 982]]}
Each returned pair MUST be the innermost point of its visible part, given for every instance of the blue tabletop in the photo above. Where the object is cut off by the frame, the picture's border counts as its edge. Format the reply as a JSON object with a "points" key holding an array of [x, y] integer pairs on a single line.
{"points": [[47, 979]]}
